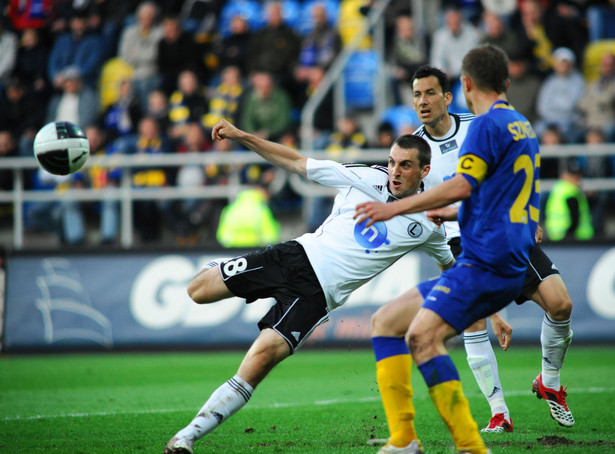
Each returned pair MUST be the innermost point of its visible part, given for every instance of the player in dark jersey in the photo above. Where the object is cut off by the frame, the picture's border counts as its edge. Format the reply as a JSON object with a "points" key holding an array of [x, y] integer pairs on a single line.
{"points": [[497, 182]]}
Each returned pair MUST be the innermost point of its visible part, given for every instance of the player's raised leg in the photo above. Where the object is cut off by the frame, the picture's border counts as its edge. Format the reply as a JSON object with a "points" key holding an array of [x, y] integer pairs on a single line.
{"points": [[393, 368], [555, 338], [481, 359]]}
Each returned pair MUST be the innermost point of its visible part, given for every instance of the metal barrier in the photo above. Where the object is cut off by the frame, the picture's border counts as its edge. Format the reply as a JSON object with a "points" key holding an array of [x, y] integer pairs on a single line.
{"points": [[125, 193]]}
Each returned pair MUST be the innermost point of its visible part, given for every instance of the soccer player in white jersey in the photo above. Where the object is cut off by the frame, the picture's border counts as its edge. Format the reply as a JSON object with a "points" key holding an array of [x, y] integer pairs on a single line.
{"points": [[445, 132], [317, 272]]}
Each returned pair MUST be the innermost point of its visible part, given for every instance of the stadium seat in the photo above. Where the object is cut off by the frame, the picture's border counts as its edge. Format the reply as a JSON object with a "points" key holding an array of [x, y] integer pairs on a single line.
{"points": [[292, 13], [400, 117], [360, 75], [593, 54], [459, 101], [250, 10]]}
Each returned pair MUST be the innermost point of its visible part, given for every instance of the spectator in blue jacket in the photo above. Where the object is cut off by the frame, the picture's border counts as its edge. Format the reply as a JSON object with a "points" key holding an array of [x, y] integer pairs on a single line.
{"points": [[76, 49]]}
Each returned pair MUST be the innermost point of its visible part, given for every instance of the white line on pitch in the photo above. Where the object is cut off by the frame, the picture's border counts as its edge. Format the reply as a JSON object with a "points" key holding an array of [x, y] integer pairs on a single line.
{"points": [[515, 393]]}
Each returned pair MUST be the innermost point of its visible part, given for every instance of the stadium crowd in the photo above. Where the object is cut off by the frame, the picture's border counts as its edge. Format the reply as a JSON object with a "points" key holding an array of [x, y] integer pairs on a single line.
{"points": [[144, 77]]}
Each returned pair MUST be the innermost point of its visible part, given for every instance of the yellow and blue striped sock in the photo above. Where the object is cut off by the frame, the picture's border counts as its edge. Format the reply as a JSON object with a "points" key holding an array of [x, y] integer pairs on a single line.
{"points": [[393, 367], [442, 379]]}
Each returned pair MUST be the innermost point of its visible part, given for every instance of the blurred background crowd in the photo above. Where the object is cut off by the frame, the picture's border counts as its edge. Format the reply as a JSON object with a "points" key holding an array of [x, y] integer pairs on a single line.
{"points": [[145, 77]]}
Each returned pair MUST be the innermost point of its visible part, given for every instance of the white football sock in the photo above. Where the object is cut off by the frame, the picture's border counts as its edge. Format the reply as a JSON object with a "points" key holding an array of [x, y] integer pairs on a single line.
{"points": [[227, 400], [555, 338], [484, 365]]}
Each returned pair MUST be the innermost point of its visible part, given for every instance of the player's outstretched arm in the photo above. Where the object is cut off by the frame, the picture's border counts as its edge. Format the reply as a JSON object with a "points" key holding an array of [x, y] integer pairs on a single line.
{"points": [[277, 154], [450, 191]]}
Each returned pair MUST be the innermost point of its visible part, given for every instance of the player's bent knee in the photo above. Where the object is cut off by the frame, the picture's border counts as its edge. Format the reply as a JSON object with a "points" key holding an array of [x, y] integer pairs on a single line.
{"points": [[562, 310], [376, 324], [422, 346], [417, 344], [195, 293], [417, 337], [480, 325], [384, 323], [425, 337], [393, 318]]}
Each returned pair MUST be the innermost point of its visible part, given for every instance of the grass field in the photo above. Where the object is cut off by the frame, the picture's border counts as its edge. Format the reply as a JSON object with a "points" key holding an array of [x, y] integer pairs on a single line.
{"points": [[318, 401]]}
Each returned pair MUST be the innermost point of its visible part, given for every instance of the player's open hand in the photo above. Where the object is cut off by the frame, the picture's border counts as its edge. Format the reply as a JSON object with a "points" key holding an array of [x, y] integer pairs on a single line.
{"points": [[502, 330], [439, 215], [373, 212], [434, 216], [224, 130]]}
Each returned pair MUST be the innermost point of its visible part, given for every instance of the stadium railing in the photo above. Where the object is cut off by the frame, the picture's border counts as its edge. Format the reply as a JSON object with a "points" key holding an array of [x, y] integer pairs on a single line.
{"points": [[126, 194]]}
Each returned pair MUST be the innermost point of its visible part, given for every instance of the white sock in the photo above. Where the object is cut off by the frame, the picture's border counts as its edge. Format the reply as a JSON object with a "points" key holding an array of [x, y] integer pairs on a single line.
{"points": [[481, 359], [227, 400], [555, 338]]}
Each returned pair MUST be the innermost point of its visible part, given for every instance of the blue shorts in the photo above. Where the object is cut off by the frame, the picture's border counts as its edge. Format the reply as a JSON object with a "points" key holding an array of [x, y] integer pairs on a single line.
{"points": [[466, 293]]}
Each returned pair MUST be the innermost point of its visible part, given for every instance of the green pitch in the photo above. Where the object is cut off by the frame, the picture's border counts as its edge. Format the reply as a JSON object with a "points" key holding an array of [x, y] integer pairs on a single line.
{"points": [[318, 401]]}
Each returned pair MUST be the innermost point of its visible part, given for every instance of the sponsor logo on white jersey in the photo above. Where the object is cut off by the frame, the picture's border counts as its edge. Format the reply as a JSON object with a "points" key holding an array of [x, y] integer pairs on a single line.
{"points": [[371, 237], [449, 146]]}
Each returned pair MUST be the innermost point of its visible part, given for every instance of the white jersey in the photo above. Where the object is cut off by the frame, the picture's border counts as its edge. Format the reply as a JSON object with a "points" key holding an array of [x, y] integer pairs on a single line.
{"points": [[345, 255], [444, 157]]}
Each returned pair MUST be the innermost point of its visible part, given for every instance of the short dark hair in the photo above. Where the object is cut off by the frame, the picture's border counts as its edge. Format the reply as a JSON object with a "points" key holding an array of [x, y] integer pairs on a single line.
{"points": [[428, 71], [385, 126], [408, 141], [487, 66], [574, 167]]}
